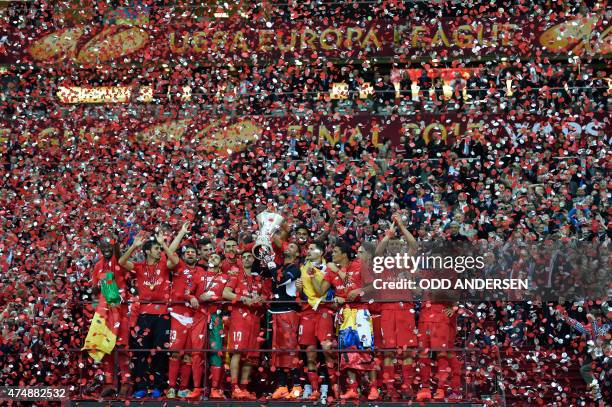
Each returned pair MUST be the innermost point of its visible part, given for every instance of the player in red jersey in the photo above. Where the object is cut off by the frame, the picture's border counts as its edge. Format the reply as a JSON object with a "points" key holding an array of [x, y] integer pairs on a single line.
{"points": [[153, 324], [208, 324], [181, 313], [397, 319], [437, 332], [248, 291], [345, 275], [316, 320], [107, 267]]}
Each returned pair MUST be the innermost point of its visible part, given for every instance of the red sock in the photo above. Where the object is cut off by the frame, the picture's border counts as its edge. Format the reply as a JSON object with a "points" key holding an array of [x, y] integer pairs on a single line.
{"points": [[408, 375], [443, 372], [455, 365], [313, 378], [379, 380], [332, 373], [216, 372], [389, 376], [197, 368], [124, 367], [173, 371], [425, 368], [108, 365], [185, 373]]}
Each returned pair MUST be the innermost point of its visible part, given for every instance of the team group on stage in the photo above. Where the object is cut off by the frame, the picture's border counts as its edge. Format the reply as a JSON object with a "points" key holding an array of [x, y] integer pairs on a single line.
{"points": [[208, 303]]}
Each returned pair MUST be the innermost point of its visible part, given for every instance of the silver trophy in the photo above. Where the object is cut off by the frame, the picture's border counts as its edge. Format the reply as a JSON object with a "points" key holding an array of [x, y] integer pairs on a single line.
{"points": [[269, 223]]}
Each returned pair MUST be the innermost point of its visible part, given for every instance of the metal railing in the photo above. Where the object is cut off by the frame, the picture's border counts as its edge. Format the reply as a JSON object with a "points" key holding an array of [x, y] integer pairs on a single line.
{"points": [[490, 362]]}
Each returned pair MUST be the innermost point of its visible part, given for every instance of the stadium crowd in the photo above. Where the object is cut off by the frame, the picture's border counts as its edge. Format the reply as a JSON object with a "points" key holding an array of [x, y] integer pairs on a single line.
{"points": [[67, 210]]}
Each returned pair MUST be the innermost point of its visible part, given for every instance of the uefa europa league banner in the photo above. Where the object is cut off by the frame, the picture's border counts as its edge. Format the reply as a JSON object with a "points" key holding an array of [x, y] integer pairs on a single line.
{"points": [[225, 136], [150, 38]]}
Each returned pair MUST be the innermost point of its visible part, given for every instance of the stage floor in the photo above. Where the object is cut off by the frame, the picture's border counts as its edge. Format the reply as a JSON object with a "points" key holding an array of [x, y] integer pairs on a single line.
{"points": [[257, 403]]}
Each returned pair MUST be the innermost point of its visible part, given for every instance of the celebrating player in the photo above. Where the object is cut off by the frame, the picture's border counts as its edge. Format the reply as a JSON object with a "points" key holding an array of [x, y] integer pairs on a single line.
{"points": [[285, 324], [208, 324], [232, 262], [104, 270], [153, 324], [317, 320], [181, 323], [437, 332], [397, 319], [345, 275], [248, 291]]}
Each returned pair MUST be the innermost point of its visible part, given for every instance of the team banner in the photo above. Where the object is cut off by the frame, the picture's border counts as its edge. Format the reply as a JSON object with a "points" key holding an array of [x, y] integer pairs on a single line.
{"points": [[149, 37], [227, 135]]}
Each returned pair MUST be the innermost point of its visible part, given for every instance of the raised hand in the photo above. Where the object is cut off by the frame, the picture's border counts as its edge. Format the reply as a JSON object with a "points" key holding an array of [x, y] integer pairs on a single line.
{"points": [[139, 239], [185, 227]]}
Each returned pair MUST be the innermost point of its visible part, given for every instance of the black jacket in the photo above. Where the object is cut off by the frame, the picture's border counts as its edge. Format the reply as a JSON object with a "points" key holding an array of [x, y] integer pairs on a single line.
{"points": [[283, 277]]}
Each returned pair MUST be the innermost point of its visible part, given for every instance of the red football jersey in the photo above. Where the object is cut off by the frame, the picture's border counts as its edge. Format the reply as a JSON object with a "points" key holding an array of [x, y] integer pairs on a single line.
{"points": [[436, 301], [153, 284], [352, 280], [402, 299], [183, 286], [434, 312], [231, 267], [210, 281], [246, 285]]}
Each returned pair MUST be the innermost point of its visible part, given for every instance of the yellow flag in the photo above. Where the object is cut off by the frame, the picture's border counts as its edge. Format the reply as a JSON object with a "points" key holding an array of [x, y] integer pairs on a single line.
{"points": [[308, 289], [102, 335]]}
